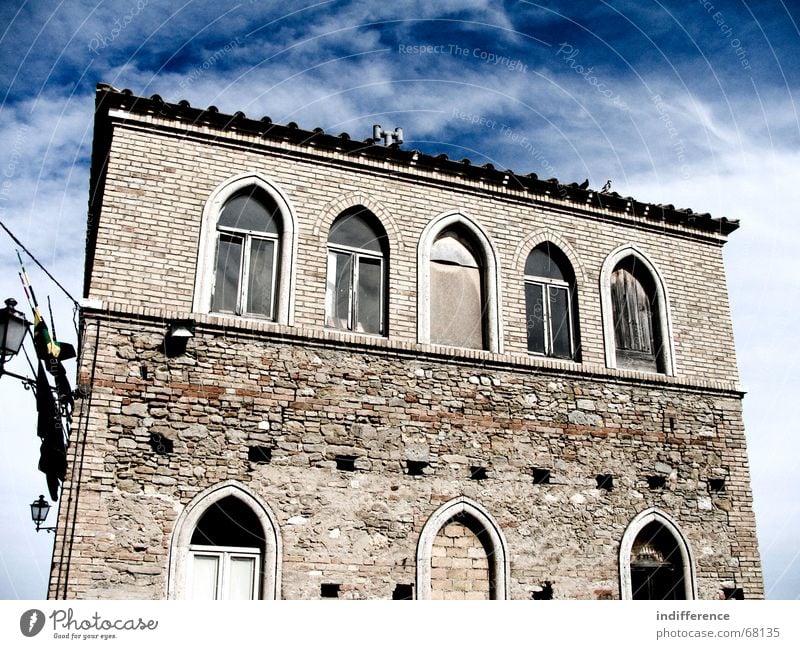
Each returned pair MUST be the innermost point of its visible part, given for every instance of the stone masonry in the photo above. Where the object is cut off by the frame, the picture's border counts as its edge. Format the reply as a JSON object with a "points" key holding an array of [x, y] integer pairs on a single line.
{"points": [[154, 431]]}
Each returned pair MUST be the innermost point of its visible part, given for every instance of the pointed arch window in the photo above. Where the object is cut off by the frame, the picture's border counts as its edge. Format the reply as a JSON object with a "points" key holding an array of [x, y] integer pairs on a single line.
{"points": [[655, 559], [246, 263], [225, 545], [226, 553], [355, 298], [637, 332], [457, 291], [550, 305], [656, 565]]}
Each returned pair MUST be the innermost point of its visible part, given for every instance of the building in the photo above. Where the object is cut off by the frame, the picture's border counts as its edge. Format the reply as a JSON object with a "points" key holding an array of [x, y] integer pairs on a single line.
{"points": [[319, 367]]}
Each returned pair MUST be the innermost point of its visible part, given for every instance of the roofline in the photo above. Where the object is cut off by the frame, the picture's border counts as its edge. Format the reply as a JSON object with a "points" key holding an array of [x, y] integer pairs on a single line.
{"points": [[109, 98]]}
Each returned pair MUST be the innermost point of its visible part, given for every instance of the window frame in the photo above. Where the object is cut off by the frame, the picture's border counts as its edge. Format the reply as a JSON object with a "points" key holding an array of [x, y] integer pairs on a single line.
{"points": [[662, 313], [639, 522], [225, 554], [356, 254], [546, 283], [177, 582], [205, 277], [490, 268], [247, 236]]}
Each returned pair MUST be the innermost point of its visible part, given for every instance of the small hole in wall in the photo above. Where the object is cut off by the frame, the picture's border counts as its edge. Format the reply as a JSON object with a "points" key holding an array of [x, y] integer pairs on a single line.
{"points": [[403, 591], [259, 454], [545, 592], [346, 462], [733, 593], [478, 473], [656, 482], [160, 444], [605, 481], [716, 485], [416, 467], [143, 372], [329, 591], [541, 476]]}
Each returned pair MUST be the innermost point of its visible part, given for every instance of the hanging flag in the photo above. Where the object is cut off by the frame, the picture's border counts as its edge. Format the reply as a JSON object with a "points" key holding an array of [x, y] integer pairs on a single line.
{"points": [[50, 429], [52, 452], [48, 349]]}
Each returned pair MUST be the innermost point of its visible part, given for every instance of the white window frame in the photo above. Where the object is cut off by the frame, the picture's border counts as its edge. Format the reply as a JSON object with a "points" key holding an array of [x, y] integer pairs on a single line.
{"points": [[225, 554], [640, 521], [498, 555], [545, 283], [662, 313], [248, 236], [186, 523], [287, 247], [352, 306]]}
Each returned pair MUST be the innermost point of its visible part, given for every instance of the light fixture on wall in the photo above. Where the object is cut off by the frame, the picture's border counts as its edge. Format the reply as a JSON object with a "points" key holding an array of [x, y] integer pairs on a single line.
{"points": [[13, 327], [39, 510], [178, 334]]}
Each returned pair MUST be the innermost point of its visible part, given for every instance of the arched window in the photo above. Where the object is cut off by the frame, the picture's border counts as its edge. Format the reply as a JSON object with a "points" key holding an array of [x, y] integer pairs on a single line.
{"points": [[355, 298], [656, 565], [246, 251], [550, 303], [637, 335], [655, 560], [246, 264], [225, 553], [457, 291], [461, 537], [636, 315], [225, 546]]}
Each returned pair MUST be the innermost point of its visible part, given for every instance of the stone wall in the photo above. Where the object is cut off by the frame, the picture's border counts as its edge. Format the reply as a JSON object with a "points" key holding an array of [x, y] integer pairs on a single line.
{"points": [[311, 402]]}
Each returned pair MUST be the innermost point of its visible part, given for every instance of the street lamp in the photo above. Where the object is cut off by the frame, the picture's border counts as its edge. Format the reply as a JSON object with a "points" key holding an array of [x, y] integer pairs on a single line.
{"points": [[39, 510], [13, 327]]}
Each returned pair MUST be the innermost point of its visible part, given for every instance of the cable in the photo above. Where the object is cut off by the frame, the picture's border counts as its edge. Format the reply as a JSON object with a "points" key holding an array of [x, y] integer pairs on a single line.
{"points": [[38, 263]]}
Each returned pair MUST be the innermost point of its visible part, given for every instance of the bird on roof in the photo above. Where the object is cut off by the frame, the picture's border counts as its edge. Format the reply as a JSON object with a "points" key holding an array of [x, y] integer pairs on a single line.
{"points": [[584, 184], [606, 187]]}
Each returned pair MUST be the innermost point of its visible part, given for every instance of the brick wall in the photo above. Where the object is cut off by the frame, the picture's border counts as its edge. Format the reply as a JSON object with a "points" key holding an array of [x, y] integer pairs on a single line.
{"points": [[459, 564], [158, 184]]}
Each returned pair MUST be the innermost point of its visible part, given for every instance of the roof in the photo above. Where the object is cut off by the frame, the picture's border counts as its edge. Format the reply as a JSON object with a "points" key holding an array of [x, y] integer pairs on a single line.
{"points": [[110, 98]]}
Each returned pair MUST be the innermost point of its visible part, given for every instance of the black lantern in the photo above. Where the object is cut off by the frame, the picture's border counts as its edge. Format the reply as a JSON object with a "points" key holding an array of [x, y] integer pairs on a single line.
{"points": [[39, 510], [13, 328]]}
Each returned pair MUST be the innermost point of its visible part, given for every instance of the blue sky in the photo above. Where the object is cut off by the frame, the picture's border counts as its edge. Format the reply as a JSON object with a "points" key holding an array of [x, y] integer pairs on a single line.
{"points": [[682, 102]]}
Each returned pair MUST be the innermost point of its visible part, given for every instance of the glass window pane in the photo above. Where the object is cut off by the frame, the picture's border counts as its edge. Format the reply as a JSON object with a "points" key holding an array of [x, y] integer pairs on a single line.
{"points": [[205, 570], [241, 577], [559, 321], [369, 296], [542, 264], [534, 317], [358, 229], [226, 285], [260, 277], [258, 213], [340, 273]]}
